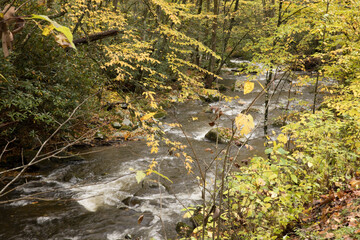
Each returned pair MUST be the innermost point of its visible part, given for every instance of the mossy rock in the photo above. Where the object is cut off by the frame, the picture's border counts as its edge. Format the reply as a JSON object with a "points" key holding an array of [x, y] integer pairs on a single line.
{"points": [[220, 135], [165, 104], [160, 114], [207, 109], [184, 230], [223, 135], [126, 128], [119, 135], [100, 136], [212, 95], [238, 86], [278, 123], [220, 87], [251, 110]]}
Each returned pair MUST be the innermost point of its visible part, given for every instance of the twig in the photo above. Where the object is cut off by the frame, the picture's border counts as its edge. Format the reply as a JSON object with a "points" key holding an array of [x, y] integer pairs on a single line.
{"points": [[42, 147], [5, 148]]}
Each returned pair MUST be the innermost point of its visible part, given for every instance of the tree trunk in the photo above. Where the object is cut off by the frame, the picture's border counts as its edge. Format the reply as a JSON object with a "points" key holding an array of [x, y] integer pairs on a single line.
{"points": [[210, 78]]}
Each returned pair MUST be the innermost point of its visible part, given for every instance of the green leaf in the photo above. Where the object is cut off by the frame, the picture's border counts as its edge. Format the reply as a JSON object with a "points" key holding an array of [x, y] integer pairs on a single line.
{"points": [[294, 178], [282, 151], [268, 150], [140, 175], [60, 28], [161, 175], [267, 199]]}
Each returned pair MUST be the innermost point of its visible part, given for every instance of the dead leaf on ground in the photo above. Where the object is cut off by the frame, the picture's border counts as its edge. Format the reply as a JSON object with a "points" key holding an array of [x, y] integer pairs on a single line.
{"points": [[209, 150], [140, 219]]}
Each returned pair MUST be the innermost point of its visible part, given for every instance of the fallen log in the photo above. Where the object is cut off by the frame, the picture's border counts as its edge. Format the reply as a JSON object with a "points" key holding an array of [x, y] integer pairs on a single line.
{"points": [[96, 36]]}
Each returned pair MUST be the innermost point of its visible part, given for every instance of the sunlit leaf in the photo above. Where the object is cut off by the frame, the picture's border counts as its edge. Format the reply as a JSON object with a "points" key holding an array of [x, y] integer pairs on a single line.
{"points": [[47, 30], [294, 178], [62, 29], [140, 175], [147, 116], [188, 214], [245, 123], [248, 87], [282, 138]]}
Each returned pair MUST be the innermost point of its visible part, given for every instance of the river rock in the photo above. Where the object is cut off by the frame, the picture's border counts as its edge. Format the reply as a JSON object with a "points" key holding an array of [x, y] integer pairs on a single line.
{"points": [[120, 113], [119, 135], [278, 123], [126, 122], [251, 110], [219, 134], [184, 230], [99, 136], [238, 86], [116, 125], [223, 135], [209, 97], [207, 109], [160, 114], [126, 128]]}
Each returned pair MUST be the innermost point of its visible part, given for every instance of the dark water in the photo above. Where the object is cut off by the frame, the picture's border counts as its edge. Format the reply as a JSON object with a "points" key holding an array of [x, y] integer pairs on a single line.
{"points": [[99, 198]]}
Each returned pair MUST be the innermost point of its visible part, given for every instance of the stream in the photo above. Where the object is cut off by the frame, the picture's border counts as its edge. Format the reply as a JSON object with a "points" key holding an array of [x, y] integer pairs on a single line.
{"points": [[100, 197]]}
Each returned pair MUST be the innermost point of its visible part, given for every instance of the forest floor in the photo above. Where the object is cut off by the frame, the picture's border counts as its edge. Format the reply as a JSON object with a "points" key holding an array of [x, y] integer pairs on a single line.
{"points": [[335, 216]]}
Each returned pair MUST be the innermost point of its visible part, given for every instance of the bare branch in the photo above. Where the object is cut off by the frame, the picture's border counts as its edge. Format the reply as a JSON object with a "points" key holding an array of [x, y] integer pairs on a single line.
{"points": [[41, 148]]}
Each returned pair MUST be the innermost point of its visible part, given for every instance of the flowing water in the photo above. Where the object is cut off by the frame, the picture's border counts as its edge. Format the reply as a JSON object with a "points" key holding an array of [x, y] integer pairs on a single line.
{"points": [[99, 198]]}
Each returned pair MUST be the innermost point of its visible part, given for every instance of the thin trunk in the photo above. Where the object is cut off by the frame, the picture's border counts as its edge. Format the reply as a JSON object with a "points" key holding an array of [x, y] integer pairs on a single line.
{"points": [[212, 62], [318, 72], [316, 90], [268, 79], [197, 53], [227, 38], [267, 98]]}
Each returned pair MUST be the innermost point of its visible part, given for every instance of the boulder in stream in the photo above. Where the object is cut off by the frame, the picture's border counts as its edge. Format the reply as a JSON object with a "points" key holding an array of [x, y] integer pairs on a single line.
{"points": [[238, 86], [251, 110], [219, 134], [223, 135], [161, 114]]}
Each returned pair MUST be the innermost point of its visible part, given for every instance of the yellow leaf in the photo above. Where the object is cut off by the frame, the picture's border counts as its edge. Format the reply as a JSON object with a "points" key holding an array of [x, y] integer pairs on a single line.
{"points": [[282, 138], [147, 116], [140, 219], [248, 87], [47, 30], [187, 215], [245, 123]]}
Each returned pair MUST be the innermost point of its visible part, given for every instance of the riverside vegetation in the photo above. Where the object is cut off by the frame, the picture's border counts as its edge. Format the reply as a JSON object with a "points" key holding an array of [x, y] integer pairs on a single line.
{"points": [[145, 55]]}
